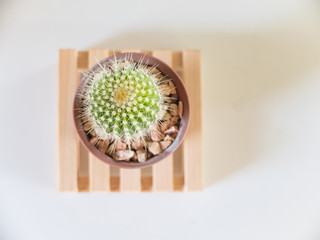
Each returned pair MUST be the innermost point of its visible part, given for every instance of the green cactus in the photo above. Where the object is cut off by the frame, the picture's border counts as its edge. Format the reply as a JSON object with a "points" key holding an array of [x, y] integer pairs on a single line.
{"points": [[124, 101]]}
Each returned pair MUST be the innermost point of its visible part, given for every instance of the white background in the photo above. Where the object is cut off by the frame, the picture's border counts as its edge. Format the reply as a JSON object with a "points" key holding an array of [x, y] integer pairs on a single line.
{"points": [[261, 119]]}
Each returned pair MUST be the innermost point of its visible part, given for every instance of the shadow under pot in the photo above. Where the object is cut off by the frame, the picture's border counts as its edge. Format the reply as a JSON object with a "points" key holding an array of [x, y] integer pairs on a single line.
{"points": [[131, 110]]}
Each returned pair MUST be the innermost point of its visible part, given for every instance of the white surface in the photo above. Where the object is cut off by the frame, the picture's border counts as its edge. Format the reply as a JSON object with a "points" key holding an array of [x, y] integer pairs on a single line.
{"points": [[261, 84]]}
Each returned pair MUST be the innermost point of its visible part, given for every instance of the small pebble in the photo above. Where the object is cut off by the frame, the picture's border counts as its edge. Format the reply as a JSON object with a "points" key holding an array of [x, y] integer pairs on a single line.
{"points": [[137, 145], [154, 148], [110, 149], [165, 89], [123, 155], [174, 97], [167, 116], [174, 109], [142, 155], [153, 70], [93, 133], [156, 136], [93, 140], [174, 120], [173, 89], [135, 157], [164, 125], [147, 139], [171, 130], [99, 131], [174, 135], [87, 127], [168, 138], [180, 109], [120, 146], [165, 144], [103, 145]]}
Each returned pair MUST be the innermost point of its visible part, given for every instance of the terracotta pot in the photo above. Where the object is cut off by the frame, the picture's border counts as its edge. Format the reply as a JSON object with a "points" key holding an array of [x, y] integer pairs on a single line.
{"points": [[183, 96]]}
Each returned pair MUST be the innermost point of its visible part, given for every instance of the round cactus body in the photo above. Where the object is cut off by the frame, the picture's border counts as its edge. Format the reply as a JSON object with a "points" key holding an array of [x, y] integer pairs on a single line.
{"points": [[124, 101]]}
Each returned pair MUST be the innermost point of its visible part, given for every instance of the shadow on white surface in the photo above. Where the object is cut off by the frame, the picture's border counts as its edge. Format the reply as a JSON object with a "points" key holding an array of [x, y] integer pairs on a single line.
{"points": [[241, 73], [30, 146]]}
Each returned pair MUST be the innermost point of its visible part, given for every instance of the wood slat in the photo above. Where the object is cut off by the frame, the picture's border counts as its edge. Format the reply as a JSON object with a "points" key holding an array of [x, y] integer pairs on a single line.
{"points": [[163, 171], [68, 143], [130, 179], [99, 172], [192, 148], [163, 175], [99, 175]]}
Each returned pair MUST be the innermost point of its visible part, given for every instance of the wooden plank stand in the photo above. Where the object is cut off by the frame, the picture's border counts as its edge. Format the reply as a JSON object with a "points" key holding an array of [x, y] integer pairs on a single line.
{"points": [[80, 171]]}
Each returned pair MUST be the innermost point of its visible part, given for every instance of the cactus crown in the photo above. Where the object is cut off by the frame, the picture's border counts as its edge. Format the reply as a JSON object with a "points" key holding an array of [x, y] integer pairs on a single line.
{"points": [[124, 100]]}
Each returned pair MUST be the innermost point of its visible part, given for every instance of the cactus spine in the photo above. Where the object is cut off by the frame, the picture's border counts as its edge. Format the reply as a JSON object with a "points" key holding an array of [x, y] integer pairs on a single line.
{"points": [[124, 100]]}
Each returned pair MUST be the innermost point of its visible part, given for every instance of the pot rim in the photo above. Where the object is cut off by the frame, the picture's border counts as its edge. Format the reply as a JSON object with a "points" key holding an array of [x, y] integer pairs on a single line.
{"points": [[183, 96]]}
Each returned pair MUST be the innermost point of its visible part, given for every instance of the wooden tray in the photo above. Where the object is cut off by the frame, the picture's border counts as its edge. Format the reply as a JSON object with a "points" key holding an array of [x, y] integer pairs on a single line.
{"points": [[79, 171]]}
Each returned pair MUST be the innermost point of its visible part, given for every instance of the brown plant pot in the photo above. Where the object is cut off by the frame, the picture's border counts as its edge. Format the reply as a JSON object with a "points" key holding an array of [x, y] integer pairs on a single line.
{"points": [[183, 96]]}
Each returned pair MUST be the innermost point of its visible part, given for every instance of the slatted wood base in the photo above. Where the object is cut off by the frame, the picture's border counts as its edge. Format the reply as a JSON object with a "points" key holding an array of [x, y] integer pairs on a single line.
{"points": [[79, 171]]}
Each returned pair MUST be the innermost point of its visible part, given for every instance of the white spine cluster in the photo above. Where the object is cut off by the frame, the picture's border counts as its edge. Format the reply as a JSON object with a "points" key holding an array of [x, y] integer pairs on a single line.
{"points": [[124, 100]]}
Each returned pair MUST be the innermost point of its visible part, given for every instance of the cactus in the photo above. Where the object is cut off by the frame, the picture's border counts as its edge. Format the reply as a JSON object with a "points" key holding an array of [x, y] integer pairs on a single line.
{"points": [[124, 100]]}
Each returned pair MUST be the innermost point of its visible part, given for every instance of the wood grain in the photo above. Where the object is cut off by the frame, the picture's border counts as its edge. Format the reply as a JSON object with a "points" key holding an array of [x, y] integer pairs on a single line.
{"points": [[68, 143], [163, 170], [192, 148], [99, 172]]}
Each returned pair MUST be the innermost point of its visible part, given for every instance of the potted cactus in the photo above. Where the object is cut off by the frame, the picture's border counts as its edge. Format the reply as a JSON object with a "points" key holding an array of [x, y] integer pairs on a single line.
{"points": [[131, 110]]}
